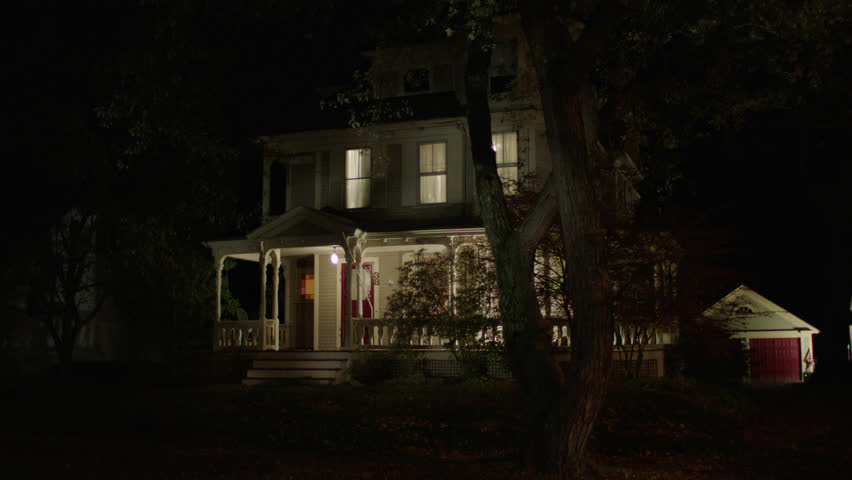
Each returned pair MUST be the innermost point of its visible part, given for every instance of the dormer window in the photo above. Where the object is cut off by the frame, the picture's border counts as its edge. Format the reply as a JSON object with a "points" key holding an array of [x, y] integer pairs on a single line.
{"points": [[433, 172], [505, 147], [416, 80], [358, 178]]}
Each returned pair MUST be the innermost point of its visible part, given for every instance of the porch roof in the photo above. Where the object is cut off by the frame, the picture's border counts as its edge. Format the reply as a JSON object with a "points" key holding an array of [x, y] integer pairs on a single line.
{"points": [[304, 221], [303, 228]]}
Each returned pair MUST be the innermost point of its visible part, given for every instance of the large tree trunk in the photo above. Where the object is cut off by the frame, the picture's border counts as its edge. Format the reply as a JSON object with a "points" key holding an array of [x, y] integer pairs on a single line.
{"points": [[560, 407], [560, 437]]}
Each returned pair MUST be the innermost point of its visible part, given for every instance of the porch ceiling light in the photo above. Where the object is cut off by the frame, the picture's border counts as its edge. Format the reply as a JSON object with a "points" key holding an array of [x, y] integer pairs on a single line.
{"points": [[334, 258]]}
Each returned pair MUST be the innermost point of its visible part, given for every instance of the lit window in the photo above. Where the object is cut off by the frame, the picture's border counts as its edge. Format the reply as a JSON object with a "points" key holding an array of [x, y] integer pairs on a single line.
{"points": [[306, 290], [358, 178], [433, 172], [505, 147]]}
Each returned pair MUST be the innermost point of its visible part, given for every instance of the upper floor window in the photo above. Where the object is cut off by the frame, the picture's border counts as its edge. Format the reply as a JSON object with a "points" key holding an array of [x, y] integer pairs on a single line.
{"points": [[433, 172], [504, 66], [358, 178], [505, 147], [416, 80]]}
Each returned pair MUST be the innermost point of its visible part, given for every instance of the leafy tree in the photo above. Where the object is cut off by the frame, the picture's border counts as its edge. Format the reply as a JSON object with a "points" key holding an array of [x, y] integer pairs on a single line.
{"points": [[643, 270], [610, 76], [451, 296], [68, 290]]}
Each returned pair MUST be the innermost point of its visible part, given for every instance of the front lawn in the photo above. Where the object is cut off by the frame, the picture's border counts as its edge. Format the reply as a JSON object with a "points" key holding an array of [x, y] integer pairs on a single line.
{"points": [[410, 430]]}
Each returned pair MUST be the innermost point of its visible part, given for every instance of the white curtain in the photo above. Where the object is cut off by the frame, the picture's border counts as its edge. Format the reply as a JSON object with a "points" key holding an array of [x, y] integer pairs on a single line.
{"points": [[433, 173], [358, 178], [506, 150]]}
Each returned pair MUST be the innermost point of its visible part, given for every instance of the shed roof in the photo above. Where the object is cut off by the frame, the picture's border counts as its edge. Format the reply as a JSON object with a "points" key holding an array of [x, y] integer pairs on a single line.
{"points": [[746, 310]]}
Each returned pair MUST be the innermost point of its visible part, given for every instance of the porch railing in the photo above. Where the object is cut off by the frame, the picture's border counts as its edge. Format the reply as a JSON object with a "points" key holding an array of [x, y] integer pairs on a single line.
{"points": [[270, 333], [561, 333], [376, 332], [239, 334]]}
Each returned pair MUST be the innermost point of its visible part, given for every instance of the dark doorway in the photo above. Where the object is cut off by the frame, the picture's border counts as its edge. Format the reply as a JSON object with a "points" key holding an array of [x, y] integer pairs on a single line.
{"points": [[240, 290]]}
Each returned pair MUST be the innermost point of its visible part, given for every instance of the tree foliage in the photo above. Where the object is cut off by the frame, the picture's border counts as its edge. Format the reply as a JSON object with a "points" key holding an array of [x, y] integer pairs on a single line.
{"points": [[643, 270], [449, 295], [68, 288]]}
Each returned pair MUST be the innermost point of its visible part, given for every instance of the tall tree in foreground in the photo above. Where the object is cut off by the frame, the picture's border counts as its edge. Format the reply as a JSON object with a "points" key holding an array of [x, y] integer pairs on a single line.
{"points": [[561, 406], [606, 73], [611, 76]]}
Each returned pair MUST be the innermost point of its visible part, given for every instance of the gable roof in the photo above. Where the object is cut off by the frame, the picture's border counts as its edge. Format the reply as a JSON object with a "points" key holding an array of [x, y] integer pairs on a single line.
{"points": [[746, 310], [304, 221]]}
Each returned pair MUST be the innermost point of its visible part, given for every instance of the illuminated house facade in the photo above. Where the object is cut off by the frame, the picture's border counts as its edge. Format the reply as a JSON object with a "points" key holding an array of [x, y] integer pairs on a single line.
{"points": [[344, 208]]}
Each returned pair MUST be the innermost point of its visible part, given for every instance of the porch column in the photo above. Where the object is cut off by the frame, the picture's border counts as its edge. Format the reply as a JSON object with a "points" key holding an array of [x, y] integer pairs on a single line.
{"points": [[276, 267], [260, 334], [218, 265], [349, 258], [288, 295], [262, 309], [359, 305]]}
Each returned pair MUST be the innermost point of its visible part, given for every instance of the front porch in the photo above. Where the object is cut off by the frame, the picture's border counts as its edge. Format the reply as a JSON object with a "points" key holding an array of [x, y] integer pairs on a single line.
{"points": [[323, 285], [323, 282]]}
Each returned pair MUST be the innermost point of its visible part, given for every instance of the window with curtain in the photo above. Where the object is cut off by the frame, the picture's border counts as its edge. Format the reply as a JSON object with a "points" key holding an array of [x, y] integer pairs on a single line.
{"points": [[433, 173], [505, 147], [358, 178]]}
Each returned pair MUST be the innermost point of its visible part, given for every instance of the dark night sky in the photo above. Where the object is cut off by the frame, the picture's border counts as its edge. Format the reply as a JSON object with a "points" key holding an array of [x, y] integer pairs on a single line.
{"points": [[772, 201]]}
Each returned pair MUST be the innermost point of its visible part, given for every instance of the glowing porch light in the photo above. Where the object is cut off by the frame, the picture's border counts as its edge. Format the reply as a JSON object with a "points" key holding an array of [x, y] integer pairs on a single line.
{"points": [[334, 258]]}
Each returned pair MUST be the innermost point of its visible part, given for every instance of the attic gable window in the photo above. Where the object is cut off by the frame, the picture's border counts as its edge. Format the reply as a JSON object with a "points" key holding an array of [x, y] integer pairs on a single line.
{"points": [[416, 80], [358, 178], [505, 146], [433, 173]]}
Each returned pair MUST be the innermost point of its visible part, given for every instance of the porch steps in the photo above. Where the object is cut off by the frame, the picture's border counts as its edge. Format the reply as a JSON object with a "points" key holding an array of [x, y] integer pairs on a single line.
{"points": [[318, 368]]}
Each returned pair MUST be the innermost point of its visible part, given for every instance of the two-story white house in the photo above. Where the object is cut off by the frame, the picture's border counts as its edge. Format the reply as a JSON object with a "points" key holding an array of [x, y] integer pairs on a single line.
{"points": [[343, 208]]}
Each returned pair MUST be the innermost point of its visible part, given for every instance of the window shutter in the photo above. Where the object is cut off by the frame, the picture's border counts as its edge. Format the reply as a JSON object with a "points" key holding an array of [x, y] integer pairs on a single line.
{"points": [[443, 75], [389, 84], [378, 189], [393, 176]]}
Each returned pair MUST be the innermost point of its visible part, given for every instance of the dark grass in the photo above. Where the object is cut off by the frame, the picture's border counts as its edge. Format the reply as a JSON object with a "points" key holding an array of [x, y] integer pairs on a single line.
{"points": [[429, 429]]}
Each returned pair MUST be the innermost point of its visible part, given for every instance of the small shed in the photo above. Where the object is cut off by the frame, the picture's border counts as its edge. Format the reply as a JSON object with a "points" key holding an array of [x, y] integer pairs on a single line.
{"points": [[780, 344]]}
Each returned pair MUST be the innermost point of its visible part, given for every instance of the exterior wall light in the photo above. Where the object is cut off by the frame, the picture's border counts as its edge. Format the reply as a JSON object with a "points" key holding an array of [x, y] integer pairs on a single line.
{"points": [[334, 258]]}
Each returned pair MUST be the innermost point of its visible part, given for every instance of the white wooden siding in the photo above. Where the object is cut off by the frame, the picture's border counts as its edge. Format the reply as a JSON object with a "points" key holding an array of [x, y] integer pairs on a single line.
{"points": [[326, 276]]}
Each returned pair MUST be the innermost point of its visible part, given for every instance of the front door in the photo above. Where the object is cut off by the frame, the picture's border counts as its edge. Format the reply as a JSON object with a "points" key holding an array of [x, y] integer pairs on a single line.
{"points": [[303, 304]]}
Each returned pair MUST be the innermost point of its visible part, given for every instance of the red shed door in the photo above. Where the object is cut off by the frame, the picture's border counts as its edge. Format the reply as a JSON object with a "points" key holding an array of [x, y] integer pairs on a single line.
{"points": [[775, 360]]}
